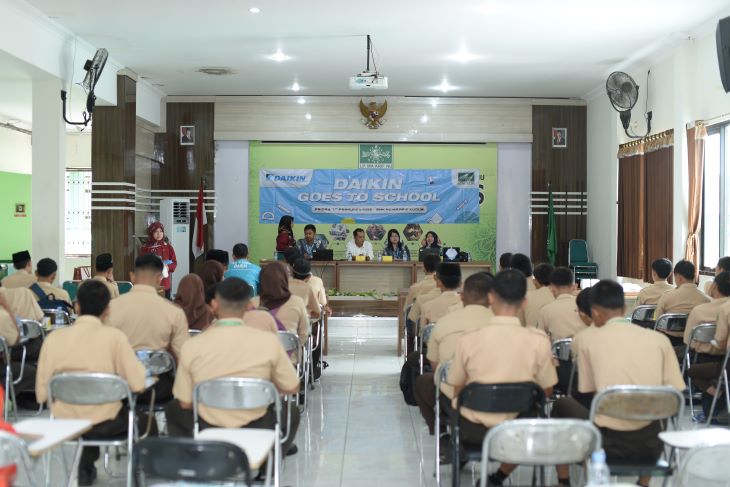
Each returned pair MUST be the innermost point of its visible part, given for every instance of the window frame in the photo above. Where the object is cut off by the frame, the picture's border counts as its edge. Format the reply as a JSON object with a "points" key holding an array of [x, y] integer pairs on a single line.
{"points": [[722, 129], [65, 213]]}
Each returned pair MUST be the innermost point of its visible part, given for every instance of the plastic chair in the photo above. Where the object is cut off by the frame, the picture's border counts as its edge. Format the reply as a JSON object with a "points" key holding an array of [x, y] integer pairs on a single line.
{"points": [[124, 287], [290, 341], [242, 393], [94, 389], [443, 373], [578, 260], [643, 315], [539, 442], [702, 333], [515, 397], [639, 403], [71, 287], [188, 460], [425, 337], [705, 466]]}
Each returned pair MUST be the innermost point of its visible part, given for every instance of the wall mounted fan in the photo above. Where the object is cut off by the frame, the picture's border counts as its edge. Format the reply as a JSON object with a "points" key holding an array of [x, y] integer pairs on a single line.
{"points": [[93, 68], [623, 92]]}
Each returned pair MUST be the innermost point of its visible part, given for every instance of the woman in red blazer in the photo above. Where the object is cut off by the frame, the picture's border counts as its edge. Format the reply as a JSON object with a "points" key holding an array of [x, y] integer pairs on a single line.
{"points": [[285, 236], [157, 245]]}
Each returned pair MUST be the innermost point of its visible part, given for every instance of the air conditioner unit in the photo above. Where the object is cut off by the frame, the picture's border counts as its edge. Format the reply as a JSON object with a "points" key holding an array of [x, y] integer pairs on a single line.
{"points": [[175, 215]]}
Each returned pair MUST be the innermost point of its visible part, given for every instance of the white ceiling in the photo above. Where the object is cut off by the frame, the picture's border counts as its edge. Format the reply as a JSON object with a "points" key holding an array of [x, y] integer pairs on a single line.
{"points": [[524, 48]]}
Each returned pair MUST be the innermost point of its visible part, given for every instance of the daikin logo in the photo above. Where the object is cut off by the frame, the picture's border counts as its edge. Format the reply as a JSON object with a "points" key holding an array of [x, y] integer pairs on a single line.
{"points": [[292, 178]]}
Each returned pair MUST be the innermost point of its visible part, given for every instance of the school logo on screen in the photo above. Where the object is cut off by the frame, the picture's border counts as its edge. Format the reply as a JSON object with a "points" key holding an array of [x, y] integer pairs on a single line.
{"points": [[285, 178]]}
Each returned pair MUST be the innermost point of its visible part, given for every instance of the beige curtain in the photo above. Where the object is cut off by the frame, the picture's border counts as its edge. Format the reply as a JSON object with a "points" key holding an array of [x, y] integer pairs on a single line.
{"points": [[696, 163]]}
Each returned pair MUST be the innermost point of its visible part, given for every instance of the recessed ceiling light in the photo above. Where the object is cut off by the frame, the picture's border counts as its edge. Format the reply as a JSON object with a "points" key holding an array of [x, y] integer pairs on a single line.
{"points": [[308, 116], [424, 119], [279, 56], [254, 10], [295, 87], [301, 101], [463, 56], [444, 86]]}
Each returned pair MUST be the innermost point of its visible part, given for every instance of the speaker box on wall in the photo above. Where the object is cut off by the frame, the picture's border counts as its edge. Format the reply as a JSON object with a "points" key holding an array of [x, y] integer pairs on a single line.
{"points": [[723, 51]]}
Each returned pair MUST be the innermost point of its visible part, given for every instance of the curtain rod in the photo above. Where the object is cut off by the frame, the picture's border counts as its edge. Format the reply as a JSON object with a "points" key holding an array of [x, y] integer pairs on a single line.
{"points": [[715, 120]]}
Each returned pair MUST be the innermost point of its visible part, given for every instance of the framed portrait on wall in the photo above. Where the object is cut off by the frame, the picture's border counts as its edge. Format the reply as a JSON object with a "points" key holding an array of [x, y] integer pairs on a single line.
{"points": [[187, 134], [560, 138]]}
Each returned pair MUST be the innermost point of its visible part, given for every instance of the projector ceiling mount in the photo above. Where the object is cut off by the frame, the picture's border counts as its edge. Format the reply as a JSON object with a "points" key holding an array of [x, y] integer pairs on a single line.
{"points": [[367, 78]]}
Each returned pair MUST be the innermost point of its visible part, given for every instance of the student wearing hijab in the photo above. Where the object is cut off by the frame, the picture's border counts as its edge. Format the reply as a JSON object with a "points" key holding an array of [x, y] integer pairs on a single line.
{"points": [[190, 297], [211, 273], [431, 241], [285, 235], [275, 296], [157, 245]]}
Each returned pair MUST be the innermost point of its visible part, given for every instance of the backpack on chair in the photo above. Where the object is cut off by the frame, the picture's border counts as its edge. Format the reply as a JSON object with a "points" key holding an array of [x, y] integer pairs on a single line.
{"points": [[49, 301]]}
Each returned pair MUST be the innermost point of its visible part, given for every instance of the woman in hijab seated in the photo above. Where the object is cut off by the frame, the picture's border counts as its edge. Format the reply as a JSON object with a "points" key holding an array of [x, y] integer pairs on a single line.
{"points": [[211, 273], [191, 298]]}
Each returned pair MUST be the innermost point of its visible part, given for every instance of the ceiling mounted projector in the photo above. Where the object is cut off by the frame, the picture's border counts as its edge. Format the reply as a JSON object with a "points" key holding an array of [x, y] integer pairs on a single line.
{"points": [[369, 79], [365, 80]]}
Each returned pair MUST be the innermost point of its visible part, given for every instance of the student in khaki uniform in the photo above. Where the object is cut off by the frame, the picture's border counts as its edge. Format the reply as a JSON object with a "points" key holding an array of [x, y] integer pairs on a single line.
{"points": [[686, 296], [502, 352], [90, 347], [537, 299], [230, 348], [428, 283], [9, 332], [416, 313], [448, 277], [560, 319], [260, 319], [565, 367], [660, 271], [46, 274], [23, 275], [278, 300], [301, 269], [522, 263], [150, 321], [445, 336], [23, 303], [723, 265], [104, 272], [707, 313], [620, 353], [504, 261]]}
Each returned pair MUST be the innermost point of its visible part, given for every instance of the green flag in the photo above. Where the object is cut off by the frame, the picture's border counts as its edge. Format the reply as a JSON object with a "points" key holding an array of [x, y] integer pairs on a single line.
{"points": [[552, 239]]}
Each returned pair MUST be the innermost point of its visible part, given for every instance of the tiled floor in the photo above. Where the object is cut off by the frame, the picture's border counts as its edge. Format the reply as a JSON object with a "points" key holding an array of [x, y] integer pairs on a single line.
{"points": [[357, 430]]}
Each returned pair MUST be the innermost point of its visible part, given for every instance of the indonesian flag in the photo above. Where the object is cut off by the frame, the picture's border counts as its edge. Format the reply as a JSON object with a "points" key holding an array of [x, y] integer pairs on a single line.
{"points": [[200, 221]]}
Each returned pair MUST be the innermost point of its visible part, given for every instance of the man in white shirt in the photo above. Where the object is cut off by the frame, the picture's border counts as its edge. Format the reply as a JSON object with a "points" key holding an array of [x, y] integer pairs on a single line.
{"points": [[358, 246]]}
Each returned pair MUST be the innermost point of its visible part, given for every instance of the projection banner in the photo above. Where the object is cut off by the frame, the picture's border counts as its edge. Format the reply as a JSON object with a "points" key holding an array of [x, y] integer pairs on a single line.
{"points": [[376, 195]]}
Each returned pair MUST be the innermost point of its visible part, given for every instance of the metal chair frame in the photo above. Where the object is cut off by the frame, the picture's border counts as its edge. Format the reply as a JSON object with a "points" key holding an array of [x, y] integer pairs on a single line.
{"points": [[67, 318], [423, 342], [442, 379], [316, 345], [701, 453], [243, 393], [643, 312], [290, 341], [702, 333], [193, 332], [157, 362], [9, 382], [67, 386], [19, 448], [663, 322], [531, 436], [406, 311], [616, 398], [722, 385]]}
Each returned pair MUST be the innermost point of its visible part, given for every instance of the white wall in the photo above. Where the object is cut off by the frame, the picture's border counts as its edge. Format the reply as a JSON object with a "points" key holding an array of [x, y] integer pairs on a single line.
{"points": [[231, 191], [684, 86], [15, 152], [514, 177]]}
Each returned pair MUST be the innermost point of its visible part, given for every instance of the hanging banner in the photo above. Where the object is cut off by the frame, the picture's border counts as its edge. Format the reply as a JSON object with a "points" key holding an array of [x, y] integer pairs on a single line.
{"points": [[376, 196]]}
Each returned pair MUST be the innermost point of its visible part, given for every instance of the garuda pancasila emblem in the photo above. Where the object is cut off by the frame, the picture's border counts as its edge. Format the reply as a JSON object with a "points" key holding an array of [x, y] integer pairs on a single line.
{"points": [[373, 114]]}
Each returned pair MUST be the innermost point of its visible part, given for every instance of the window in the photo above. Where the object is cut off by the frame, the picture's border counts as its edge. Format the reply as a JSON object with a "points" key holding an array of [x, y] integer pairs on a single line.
{"points": [[78, 212], [716, 200]]}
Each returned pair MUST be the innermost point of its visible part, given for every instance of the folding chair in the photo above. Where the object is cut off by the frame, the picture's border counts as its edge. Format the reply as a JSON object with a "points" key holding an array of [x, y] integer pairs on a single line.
{"points": [[423, 343], [189, 460], [124, 287], [639, 403], [539, 442], [705, 466], [14, 450], [578, 260], [290, 341], [29, 330], [156, 362], [702, 333], [669, 323], [643, 315], [722, 385], [193, 333], [316, 345], [515, 397], [91, 390], [443, 373], [9, 400], [406, 311], [562, 351], [242, 393], [51, 313], [71, 287]]}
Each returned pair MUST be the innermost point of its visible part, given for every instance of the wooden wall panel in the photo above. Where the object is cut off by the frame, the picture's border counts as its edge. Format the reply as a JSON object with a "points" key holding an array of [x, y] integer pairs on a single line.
{"points": [[185, 165], [563, 168], [113, 160]]}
